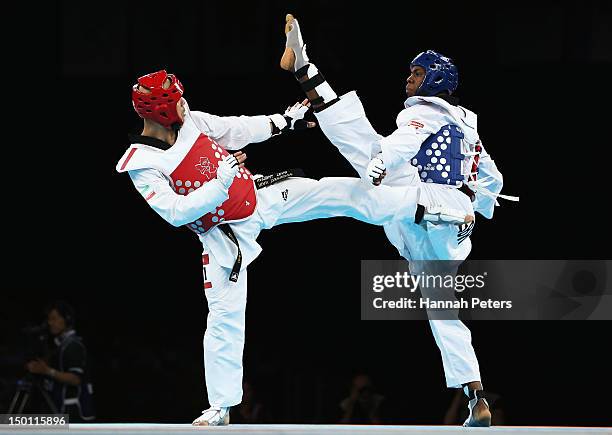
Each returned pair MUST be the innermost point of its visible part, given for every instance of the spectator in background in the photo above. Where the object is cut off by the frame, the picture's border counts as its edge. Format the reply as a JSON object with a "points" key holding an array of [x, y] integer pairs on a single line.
{"points": [[249, 411], [65, 368], [457, 411], [363, 406]]}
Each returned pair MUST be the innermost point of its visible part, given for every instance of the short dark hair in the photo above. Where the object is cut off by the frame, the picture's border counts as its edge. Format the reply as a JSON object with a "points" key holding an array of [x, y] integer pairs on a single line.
{"points": [[64, 309]]}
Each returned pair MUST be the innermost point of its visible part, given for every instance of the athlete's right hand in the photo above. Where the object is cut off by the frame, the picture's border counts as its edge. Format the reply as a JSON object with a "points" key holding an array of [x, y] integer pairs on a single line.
{"points": [[294, 115], [376, 171], [227, 170]]}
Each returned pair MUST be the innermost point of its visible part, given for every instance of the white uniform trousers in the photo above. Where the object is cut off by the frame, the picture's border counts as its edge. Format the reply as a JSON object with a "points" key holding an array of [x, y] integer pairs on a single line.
{"points": [[291, 200], [347, 127]]}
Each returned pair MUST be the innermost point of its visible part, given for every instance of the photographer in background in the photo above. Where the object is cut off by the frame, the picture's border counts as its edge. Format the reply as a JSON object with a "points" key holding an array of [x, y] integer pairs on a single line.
{"points": [[363, 406], [65, 368]]}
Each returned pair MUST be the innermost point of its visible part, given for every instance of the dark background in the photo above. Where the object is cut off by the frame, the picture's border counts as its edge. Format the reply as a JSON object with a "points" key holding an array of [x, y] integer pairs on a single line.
{"points": [[537, 74]]}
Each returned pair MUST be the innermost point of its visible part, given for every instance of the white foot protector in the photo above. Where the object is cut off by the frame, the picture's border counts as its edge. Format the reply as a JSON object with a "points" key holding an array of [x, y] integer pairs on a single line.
{"points": [[213, 416], [295, 52]]}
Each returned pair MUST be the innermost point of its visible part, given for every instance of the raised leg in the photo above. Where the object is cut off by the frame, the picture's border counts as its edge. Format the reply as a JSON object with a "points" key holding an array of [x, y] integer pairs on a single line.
{"points": [[305, 199]]}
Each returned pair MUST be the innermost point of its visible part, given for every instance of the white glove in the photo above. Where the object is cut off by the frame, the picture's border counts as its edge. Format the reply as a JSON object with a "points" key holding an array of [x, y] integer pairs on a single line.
{"points": [[296, 115], [227, 170], [292, 119], [376, 171]]}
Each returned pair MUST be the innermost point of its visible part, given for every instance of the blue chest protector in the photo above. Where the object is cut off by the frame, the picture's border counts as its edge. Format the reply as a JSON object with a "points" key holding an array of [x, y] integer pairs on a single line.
{"points": [[440, 159]]}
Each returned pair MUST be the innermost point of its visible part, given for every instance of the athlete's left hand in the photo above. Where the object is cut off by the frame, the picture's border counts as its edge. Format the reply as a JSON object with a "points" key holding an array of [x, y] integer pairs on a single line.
{"points": [[241, 157]]}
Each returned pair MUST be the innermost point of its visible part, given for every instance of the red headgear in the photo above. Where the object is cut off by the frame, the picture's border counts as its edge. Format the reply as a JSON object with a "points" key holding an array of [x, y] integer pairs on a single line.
{"points": [[159, 104]]}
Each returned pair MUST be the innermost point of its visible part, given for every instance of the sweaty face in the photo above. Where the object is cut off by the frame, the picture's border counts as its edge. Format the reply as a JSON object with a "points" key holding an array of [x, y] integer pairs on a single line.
{"points": [[417, 75]]}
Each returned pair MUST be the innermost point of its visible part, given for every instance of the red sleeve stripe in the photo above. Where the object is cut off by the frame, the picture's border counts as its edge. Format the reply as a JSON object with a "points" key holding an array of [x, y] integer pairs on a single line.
{"points": [[151, 195], [132, 151], [208, 284], [205, 259]]}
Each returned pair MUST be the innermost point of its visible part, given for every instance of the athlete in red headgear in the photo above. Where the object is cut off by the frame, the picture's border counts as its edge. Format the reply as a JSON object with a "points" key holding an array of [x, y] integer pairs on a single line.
{"points": [[155, 97], [181, 166]]}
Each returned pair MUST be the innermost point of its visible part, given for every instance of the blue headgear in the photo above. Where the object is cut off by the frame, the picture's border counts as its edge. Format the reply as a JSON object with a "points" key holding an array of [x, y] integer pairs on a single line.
{"points": [[440, 73]]}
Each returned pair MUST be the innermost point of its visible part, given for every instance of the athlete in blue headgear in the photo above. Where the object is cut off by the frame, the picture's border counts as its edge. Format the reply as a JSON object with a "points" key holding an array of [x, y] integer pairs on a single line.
{"points": [[436, 146], [439, 74]]}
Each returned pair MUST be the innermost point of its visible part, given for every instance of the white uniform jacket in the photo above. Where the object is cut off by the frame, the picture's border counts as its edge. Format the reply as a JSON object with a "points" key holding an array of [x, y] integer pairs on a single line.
{"points": [[233, 133], [422, 117]]}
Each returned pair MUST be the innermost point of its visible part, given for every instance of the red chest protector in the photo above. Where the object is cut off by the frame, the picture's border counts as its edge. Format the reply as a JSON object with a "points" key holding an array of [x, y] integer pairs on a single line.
{"points": [[200, 166]]}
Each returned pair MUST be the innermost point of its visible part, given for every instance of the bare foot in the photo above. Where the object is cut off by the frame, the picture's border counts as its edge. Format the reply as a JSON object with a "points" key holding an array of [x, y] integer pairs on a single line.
{"points": [[481, 415]]}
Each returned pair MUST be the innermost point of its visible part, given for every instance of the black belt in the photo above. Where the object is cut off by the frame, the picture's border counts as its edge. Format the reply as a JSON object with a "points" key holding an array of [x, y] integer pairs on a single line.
{"points": [[236, 268], [260, 183]]}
